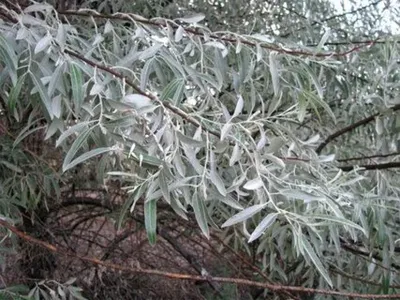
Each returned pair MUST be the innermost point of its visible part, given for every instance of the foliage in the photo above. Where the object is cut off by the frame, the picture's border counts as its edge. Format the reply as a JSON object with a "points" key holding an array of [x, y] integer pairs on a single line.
{"points": [[256, 119]]}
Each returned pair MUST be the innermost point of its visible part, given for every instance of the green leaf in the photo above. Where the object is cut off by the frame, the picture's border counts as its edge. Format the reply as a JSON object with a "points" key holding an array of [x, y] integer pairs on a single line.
{"points": [[200, 212], [86, 156], [244, 215], [195, 18], [129, 204], [77, 87], [273, 67], [145, 74], [150, 220], [164, 186], [76, 128], [15, 92], [25, 132], [264, 224], [8, 56], [218, 182], [145, 160], [43, 43], [46, 101], [339, 220], [173, 91], [314, 258], [76, 145], [253, 184], [11, 166]]}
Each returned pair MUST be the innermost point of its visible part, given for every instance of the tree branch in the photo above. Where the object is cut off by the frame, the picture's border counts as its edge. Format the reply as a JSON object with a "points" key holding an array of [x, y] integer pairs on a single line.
{"points": [[369, 157], [272, 47], [168, 105], [350, 128], [180, 276], [395, 164]]}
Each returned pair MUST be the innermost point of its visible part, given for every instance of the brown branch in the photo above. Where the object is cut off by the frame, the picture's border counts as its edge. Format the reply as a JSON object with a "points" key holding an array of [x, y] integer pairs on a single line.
{"points": [[336, 270], [391, 165], [369, 157], [350, 128], [272, 47], [180, 276]]}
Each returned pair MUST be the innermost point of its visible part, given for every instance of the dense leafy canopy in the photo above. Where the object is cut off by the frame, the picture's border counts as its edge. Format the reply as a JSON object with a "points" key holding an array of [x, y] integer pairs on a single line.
{"points": [[273, 124]]}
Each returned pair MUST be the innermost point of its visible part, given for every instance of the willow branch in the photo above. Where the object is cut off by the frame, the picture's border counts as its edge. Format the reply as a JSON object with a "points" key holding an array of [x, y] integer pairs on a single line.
{"points": [[369, 157], [349, 128], [391, 165], [168, 105], [182, 276], [271, 47]]}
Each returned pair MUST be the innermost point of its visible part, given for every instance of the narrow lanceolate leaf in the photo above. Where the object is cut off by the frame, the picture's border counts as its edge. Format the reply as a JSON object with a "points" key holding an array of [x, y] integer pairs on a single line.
{"points": [[44, 97], [341, 221], [244, 215], [11, 166], [150, 220], [15, 92], [76, 145], [76, 128], [324, 38], [263, 140], [164, 186], [218, 182], [273, 67], [174, 91], [239, 106], [225, 130], [43, 44], [8, 56], [265, 223], [86, 156], [179, 34], [379, 126], [26, 132], [200, 212], [145, 74], [275, 160], [195, 18], [314, 258], [77, 87], [236, 154], [253, 184]]}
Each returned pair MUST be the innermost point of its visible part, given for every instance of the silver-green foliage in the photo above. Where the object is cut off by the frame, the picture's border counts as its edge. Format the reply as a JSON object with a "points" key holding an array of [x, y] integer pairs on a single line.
{"points": [[223, 124]]}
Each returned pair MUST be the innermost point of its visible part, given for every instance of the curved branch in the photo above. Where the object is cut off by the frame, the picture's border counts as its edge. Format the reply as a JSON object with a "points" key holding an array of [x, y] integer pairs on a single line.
{"points": [[180, 276], [350, 128], [272, 47]]}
